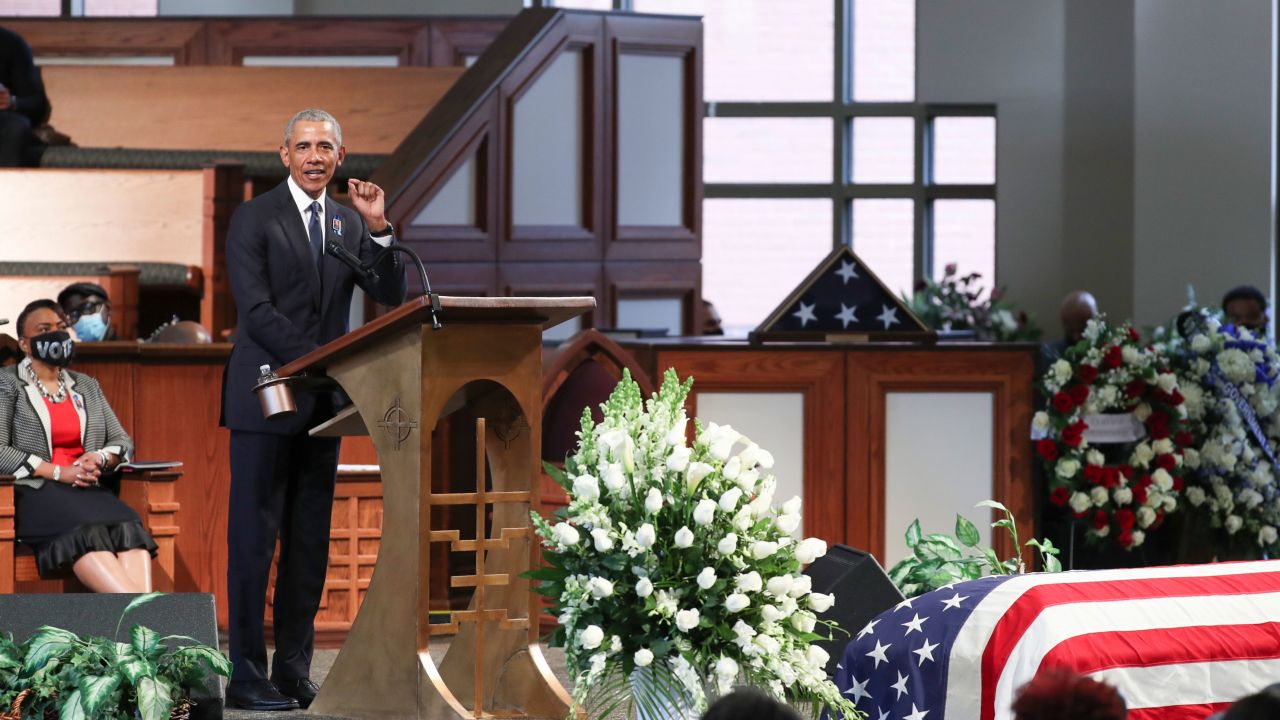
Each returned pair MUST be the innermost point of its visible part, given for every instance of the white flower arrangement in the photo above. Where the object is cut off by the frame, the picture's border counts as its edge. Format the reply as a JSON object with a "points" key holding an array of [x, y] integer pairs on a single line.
{"points": [[679, 563], [1227, 374]]}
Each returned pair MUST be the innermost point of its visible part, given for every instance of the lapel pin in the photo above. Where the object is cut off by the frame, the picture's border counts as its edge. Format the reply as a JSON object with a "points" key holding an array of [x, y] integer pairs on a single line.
{"points": [[337, 225]]}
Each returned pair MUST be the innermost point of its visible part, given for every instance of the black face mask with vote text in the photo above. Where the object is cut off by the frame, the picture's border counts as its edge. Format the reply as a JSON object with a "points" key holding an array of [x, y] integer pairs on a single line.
{"points": [[55, 348]]}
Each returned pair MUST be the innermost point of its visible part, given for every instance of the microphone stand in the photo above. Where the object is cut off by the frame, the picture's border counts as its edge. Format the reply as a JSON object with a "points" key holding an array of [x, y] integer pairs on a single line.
{"points": [[367, 269]]}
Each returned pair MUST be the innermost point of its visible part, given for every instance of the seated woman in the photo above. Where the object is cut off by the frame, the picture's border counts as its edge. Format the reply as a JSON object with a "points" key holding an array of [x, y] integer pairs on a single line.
{"points": [[58, 436]]}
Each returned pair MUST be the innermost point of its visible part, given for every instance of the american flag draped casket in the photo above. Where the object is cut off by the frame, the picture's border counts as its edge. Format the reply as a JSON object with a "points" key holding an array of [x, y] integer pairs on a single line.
{"points": [[1178, 642]]}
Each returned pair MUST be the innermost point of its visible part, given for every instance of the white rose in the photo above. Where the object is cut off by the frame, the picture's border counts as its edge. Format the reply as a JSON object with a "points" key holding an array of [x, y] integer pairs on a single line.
{"points": [[1130, 355], [771, 614], [1093, 457], [678, 460], [566, 534], [653, 501], [1195, 496], [818, 602], [646, 536], [779, 585], [644, 587], [1200, 343], [748, 479], [792, 506], [1040, 421], [585, 487], [818, 658], [676, 435], [1163, 446], [684, 537], [1122, 496], [1233, 524], [1099, 496], [800, 585], [614, 478], [1162, 480], [1080, 502], [736, 602], [665, 603], [1170, 503], [1267, 535], [1138, 537], [591, 637], [1062, 371], [697, 471], [600, 588], [704, 512], [1145, 516], [729, 500], [1167, 382], [706, 578], [728, 544], [765, 458], [643, 657], [1191, 458], [1142, 455], [786, 524], [761, 549], [604, 543], [749, 582], [1142, 412], [1067, 468], [687, 620], [810, 549], [743, 631]]}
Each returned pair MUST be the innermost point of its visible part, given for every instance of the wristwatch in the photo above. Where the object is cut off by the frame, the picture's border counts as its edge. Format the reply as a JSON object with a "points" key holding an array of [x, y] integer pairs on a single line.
{"points": [[57, 473], [388, 230]]}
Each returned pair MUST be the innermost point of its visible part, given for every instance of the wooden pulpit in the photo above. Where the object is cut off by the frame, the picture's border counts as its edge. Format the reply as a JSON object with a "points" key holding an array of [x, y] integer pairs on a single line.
{"points": [[402, 376]]}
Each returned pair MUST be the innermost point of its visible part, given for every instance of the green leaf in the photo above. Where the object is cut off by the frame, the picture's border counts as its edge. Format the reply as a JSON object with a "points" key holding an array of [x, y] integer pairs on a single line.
{"points": [[913, 534], [137, 602], [95, 690], [941, 550], [71, 708], [155, 700], [967, 532], [135, 669], [559, 476], [993, 561], [144, 640], [46, 644], [546, 574], [993, 505], [1051, 563], [212, 657]]}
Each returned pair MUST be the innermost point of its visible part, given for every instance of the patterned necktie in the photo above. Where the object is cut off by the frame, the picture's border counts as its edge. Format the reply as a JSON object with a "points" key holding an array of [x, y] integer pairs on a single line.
{"points": [[315, 233]]}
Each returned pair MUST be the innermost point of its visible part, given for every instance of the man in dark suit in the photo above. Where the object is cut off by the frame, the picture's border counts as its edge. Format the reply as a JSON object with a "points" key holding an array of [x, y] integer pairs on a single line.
{"points": [[291, 298], [23, 104]]}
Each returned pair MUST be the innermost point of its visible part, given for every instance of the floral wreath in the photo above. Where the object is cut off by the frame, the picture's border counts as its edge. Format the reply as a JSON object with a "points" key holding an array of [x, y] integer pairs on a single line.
{"points": [[1122, 490], [1229, 377]]}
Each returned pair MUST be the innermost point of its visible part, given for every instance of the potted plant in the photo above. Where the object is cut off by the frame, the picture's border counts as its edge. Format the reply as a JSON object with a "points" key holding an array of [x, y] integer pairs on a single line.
{"points": [[671, 571], [56, 673]]}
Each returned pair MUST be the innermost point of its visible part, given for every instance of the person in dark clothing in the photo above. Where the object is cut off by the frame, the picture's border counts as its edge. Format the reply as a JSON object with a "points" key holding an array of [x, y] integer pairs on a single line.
{"points": [[23, 105], [1246, 306]]}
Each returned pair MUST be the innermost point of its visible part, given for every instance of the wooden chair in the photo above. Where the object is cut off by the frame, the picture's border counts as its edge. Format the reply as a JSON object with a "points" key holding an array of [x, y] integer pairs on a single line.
{"points": [[150, 494]]}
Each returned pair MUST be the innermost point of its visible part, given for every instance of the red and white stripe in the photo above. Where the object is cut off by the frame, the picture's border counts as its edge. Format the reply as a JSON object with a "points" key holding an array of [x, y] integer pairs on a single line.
{"points": [[1178, 642]]}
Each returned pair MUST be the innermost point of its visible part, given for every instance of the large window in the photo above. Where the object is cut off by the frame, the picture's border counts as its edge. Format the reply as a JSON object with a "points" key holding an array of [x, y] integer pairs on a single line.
{"points": [[813, 137], [78, 8]]}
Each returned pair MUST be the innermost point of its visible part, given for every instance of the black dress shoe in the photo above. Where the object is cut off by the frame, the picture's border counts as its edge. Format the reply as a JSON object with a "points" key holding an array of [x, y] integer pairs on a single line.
{"points": [[258, 695], [302, 690]]}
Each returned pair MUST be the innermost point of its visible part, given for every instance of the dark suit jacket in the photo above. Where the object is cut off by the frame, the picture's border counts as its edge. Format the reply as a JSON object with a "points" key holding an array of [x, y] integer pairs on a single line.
{"points": [[19, 73], [284, 308]]}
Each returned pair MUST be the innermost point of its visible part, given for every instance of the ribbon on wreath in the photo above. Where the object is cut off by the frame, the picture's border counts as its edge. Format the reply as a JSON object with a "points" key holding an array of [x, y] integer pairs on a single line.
{"points": [[1250, 418]]}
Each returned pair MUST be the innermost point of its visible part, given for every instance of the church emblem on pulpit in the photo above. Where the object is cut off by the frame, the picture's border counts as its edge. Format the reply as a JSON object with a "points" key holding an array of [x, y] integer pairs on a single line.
{"points": [[397, 423]]}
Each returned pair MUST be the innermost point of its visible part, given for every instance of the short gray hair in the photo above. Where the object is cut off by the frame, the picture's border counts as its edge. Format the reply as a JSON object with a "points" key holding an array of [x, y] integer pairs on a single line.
{"points": [[313, 115]]}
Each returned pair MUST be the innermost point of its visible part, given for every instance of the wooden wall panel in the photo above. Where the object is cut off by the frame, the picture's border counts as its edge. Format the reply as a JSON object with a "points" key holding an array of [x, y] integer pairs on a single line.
{"points": [[183, 40], [1007, 374], [231, 40], [641, 279], [819, 376]]}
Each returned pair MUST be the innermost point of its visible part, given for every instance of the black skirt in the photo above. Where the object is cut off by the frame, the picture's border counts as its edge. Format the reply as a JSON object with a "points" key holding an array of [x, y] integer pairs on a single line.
{"points": [[61, 523]]}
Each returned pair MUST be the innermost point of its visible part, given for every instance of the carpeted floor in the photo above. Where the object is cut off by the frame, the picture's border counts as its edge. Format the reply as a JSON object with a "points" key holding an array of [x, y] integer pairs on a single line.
{"points": [[324, 659]]}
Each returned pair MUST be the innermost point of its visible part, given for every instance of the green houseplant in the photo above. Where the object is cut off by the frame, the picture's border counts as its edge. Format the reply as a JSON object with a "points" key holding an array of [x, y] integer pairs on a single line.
{"points": [[57, 673]]}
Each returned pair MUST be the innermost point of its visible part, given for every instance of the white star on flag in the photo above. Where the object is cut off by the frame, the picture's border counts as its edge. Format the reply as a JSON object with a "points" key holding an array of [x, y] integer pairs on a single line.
{"points": [[889, 316], [953, 602], [847, 271], [805, 313], [900, 686], [913, 625], [870, 628], [878, 653], [858, 690], [925, 652], [884, 714], [904, 604], [846, 315], [916, 713]]}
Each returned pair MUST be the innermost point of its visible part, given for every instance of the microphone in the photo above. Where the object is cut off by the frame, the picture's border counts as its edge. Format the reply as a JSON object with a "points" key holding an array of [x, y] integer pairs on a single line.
{"points": [[334, 248]]}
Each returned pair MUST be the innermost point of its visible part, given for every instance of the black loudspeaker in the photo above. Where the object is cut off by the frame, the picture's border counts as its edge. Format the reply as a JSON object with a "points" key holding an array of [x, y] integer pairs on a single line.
{"points": [[190, 614], [862, 591]]}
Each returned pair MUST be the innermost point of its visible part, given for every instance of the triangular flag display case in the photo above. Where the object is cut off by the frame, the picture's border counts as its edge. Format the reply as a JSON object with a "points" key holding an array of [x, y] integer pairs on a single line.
{"points": [[842, 300]]}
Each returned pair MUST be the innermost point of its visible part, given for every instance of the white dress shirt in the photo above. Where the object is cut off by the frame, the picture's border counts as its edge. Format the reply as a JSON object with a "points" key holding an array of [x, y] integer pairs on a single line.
{"points": [[303, 201]]}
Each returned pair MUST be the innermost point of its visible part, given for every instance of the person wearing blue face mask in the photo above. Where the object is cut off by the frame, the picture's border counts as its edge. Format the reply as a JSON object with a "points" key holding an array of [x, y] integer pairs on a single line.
{"points": [[88, 310]]}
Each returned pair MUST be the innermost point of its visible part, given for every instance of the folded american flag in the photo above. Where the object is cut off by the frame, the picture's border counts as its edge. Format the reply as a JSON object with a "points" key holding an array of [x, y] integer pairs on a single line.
{"points": [[1178, 642]]}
